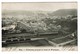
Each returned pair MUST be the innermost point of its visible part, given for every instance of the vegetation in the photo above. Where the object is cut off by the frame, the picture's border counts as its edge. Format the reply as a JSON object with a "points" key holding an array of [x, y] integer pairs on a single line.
{"points": [[43, 21]]}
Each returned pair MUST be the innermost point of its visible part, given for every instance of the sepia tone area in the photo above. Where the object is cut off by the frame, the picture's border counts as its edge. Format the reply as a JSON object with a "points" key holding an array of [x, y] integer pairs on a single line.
{"points": [[39, 24]]}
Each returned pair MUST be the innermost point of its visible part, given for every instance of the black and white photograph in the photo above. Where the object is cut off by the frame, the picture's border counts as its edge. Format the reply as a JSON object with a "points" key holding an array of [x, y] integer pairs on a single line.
{"points": [[40, 25]]}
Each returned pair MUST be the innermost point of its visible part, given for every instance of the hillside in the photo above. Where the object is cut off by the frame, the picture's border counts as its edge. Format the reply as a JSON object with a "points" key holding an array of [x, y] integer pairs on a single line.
{"points": [[64, 12], [39, 14]]}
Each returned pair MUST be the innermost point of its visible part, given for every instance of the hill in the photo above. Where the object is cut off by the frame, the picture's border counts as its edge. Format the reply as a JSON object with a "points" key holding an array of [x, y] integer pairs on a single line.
{"points": [[64, 12]]}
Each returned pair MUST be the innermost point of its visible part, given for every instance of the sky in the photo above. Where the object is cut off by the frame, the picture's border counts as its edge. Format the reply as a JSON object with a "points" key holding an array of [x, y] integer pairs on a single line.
{"points": [[38, 6]]}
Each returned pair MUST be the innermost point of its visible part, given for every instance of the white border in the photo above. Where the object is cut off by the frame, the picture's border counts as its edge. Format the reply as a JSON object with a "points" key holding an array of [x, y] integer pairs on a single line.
{"points": [[44, 52], [37, 0]]}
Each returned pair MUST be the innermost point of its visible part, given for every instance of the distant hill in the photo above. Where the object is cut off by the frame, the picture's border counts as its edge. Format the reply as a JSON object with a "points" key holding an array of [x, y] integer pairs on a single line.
{"points": [[20, 14], [64, 12], [24, 13], [40, 14]]}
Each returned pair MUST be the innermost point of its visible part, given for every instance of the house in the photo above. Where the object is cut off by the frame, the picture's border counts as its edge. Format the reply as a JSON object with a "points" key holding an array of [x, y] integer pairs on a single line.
{"points": [[9, 27]]}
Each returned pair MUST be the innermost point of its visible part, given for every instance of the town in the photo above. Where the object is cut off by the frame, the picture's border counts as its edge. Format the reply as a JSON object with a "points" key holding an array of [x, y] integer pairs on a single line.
{"points": [[39, 30]]}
